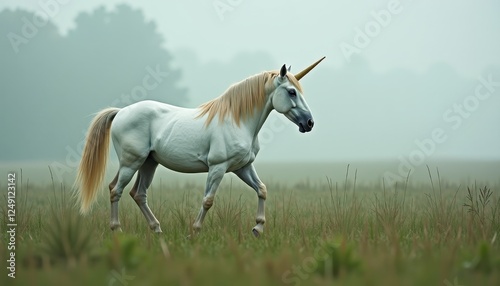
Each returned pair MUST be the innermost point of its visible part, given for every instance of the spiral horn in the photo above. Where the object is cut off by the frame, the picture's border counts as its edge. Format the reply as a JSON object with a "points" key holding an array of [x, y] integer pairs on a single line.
{"points": [[308, 69]]}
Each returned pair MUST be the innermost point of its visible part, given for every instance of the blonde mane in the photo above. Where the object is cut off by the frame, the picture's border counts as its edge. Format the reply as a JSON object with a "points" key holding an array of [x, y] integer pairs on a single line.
{"points": [[242, 98]]}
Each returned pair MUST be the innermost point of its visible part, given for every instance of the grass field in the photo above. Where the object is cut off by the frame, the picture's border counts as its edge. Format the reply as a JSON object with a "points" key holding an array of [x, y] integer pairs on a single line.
{"points": [[333, 232]]}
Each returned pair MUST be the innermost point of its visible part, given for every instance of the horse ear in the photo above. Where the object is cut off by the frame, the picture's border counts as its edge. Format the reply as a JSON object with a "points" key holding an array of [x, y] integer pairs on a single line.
{"points": [[289, 68], [283, 71]]}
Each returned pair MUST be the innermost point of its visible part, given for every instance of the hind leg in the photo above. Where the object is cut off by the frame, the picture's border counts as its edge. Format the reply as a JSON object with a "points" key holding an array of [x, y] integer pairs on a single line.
{"points": [[138, 192], [114, 224], [125, 174]]}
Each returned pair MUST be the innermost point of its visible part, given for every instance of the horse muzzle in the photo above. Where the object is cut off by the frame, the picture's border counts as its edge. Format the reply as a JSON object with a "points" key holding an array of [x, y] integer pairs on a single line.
{"points": [[306, 125], [303, 120]]}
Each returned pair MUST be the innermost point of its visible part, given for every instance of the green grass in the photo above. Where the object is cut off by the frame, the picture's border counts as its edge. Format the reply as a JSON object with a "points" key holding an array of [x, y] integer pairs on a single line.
{"points": [[332, 232]]}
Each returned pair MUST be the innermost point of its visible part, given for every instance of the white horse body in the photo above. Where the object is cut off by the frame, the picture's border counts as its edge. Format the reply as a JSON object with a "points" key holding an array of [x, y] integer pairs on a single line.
{"points": [[179, 141], [218, 137]]}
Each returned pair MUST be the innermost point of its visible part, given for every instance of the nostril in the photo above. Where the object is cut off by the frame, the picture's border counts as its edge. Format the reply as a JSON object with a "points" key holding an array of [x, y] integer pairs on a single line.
{"points": [[310, 123]]}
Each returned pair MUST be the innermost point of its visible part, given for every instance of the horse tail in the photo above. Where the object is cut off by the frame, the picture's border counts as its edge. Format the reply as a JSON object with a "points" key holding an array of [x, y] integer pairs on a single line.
{"points": [[95, 153]]}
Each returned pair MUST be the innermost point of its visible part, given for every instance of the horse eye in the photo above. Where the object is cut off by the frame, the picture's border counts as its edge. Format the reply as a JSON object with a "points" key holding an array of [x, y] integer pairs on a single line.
{"points": [[292, 92]]}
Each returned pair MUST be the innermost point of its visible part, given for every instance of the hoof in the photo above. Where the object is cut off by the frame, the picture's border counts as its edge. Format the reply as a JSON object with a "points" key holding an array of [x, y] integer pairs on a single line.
{"points": [[255, 232], [156, 229], [193, 234], [116, 229], [258, 230]]}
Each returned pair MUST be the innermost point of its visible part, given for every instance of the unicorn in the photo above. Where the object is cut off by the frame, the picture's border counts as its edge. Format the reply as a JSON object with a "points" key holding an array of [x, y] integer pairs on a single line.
{"points": [[218, 137]]}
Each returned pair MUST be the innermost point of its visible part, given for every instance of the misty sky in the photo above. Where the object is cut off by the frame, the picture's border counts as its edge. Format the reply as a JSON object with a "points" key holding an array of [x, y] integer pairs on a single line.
{"points": [[413, 79], [464, 34]]}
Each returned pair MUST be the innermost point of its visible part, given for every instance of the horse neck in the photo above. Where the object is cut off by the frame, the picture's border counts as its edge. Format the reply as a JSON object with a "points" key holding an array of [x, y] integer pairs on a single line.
{"points": [[254, 123]]}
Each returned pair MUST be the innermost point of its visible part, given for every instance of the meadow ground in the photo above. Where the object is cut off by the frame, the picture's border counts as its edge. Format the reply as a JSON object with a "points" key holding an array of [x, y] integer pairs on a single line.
{"points": [[335, 232]]}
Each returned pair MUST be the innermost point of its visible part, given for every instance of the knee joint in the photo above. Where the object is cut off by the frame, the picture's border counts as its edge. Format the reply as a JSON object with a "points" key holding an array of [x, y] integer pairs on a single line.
{"points": [[139, 198], [262, 191], [208, 202], [114, 196], [260, 220]]}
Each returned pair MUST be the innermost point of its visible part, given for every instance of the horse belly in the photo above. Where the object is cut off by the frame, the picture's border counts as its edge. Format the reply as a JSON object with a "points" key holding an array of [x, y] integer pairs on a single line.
{"points": [[184, 164], [181, 153]]}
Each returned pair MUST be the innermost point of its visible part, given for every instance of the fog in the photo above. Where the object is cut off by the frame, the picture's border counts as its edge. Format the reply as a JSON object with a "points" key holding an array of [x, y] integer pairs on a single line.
{"points": [[407, 82]]}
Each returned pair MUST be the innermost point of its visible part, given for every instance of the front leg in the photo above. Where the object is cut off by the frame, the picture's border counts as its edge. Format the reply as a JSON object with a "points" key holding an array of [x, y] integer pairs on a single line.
{"points": [[214, 178], [248, 175]]}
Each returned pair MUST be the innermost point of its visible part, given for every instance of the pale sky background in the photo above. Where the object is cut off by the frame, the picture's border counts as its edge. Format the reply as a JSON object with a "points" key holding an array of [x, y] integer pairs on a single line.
{"points": [[424, 41], [464, 34]]}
